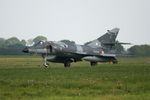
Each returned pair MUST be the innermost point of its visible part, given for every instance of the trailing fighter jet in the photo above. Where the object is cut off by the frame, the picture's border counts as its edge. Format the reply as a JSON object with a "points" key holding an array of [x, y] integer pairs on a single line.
{"points": [[95, 51]]}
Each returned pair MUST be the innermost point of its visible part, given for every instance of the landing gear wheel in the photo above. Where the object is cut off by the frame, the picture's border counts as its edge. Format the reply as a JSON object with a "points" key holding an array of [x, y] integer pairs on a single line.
{"points": [[46, 65], [93, 63], [115, 62], [45, 61], [67, 64]]}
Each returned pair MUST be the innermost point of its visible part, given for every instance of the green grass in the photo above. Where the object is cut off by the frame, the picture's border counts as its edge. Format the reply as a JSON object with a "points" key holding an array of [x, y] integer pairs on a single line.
{"points": [[24, 78]]}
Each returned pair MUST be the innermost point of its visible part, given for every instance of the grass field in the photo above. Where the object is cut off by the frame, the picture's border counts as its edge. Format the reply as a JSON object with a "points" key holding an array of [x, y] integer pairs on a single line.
{"points": [[24, 78]]}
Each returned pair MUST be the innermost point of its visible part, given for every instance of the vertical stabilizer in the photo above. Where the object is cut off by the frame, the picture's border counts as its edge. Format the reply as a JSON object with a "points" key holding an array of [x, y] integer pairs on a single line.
{"points": [[109, 37], [107, 40]]}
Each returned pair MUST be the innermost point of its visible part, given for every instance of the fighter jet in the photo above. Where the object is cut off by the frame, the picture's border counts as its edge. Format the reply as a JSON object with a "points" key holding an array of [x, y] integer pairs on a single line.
{"points": [[98, 50]]}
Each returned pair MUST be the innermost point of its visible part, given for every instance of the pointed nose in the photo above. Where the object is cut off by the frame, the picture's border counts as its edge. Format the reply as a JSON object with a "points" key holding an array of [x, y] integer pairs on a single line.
{"points": [[25, 50]]}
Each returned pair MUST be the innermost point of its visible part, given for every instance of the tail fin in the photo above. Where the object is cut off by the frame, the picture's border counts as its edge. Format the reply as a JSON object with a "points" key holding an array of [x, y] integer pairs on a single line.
{"points": [[107, 40], [109, 37]]}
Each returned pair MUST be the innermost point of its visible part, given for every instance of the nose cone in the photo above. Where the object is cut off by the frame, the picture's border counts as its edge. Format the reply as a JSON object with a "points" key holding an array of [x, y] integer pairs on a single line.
{"points": [[25, 50]]}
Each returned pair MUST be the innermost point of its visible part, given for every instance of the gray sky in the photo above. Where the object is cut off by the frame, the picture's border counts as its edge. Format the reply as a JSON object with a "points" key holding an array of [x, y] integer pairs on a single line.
{"points": [[77, 20]]}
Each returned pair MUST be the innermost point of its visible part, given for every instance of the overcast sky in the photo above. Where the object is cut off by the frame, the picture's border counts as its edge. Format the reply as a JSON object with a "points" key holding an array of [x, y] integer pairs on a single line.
{"points": [[77, 20]]}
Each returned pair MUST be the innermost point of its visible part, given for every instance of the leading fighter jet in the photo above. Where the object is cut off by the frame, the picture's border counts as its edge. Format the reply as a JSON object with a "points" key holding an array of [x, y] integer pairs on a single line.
{"points": [[98, 50]]}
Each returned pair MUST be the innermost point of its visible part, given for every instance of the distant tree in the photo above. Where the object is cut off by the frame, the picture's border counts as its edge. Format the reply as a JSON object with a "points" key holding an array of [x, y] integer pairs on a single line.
{"points": [[12, 41], [140, 50], [68, 41], [23, 42], [2, 42], [38, 38], [16, 46], [29, 42]]}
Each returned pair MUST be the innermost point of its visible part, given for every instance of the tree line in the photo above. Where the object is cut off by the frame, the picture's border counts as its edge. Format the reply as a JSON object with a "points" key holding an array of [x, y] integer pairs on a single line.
{"points": [[140, 50], [14, 46]]}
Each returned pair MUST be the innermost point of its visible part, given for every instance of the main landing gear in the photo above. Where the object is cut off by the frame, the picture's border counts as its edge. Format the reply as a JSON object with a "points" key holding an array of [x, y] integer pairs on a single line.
{"points": [[68, 61], [115, 62], [93, 63], [67, 64]]}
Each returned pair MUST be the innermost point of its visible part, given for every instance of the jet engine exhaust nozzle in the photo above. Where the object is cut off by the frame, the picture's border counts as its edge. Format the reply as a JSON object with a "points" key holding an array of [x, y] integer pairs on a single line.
{"points": [[25, 50]]}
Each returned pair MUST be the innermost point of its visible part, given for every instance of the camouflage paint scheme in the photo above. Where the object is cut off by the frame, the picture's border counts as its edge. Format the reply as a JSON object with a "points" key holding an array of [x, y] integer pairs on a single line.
{"points": [[95, 51]]}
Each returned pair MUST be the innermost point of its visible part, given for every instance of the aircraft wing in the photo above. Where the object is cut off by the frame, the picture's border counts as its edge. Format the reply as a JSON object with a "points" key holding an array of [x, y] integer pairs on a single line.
{"points": [[108, 55], [83, 54]]}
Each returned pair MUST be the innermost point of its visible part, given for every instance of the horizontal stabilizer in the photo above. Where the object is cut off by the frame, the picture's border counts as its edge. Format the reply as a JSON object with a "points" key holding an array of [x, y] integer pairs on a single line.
{"points": [[113, 43], [124, 43]]}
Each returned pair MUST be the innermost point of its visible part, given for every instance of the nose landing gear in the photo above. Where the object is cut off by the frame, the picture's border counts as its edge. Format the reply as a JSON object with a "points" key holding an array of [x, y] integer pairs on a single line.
{"points": [[45, 64], [45, 61]]}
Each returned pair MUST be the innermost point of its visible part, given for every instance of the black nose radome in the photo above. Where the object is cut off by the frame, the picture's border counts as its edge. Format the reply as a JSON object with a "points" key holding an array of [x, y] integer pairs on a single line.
{"points": [[26, 50]]}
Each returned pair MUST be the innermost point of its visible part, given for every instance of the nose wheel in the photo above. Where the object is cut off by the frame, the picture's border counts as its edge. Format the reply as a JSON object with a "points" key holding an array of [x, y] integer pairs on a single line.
{"points": [[46, 65], [45, 61]]}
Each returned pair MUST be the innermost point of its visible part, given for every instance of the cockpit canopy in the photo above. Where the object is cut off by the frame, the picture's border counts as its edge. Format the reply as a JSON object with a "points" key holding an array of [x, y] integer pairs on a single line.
{"points": [[39, 43]]}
